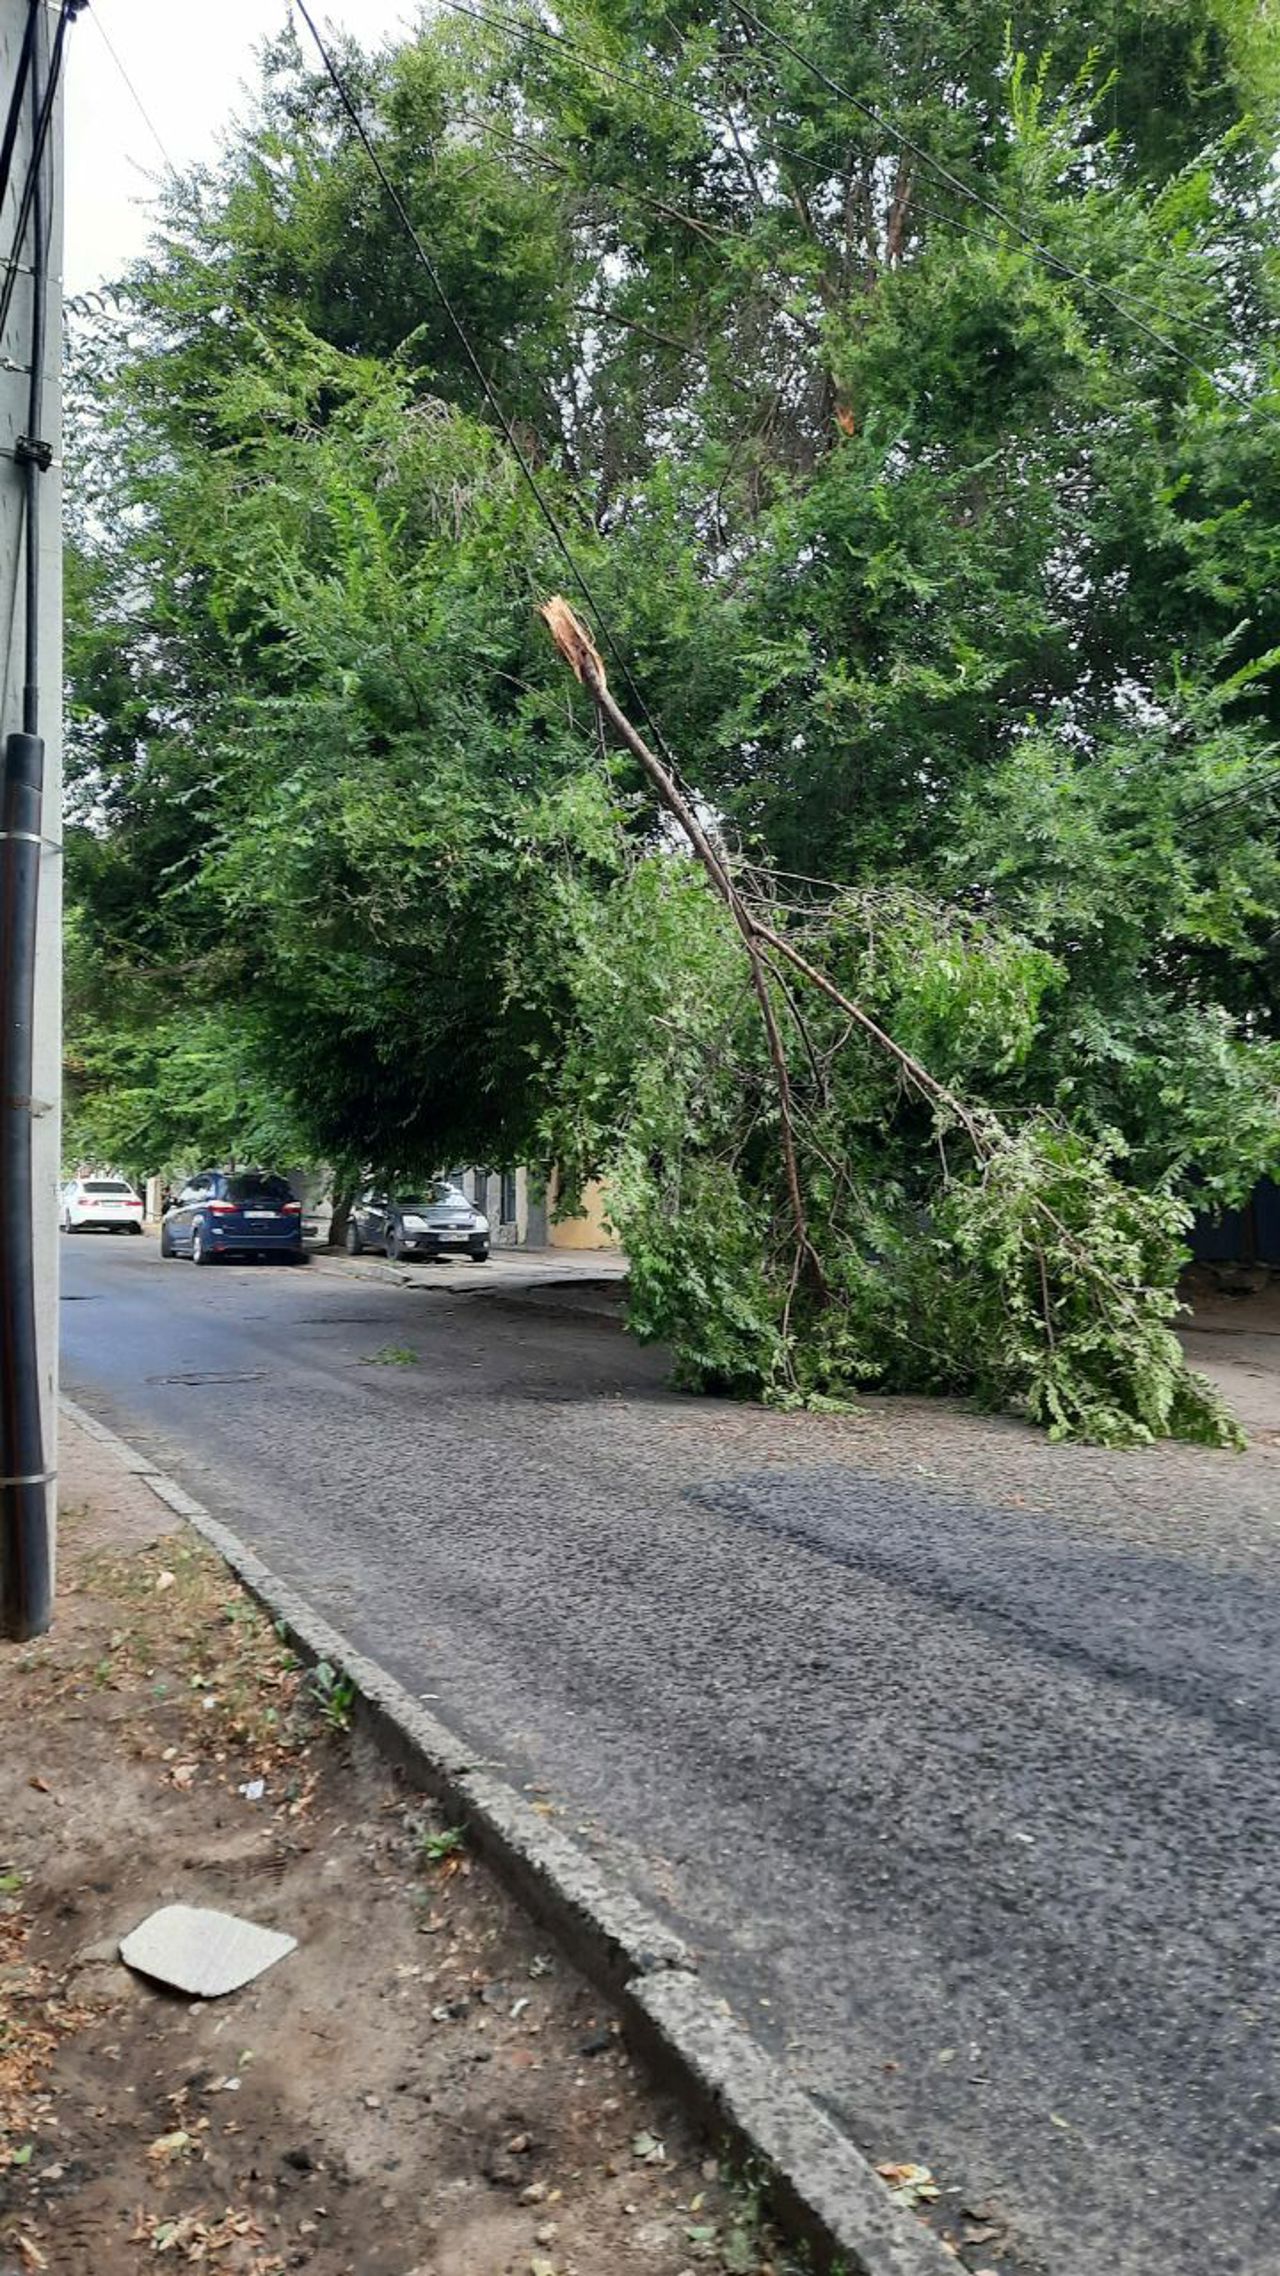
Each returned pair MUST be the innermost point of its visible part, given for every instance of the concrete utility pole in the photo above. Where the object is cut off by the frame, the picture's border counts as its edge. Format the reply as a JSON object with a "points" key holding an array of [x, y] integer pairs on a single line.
{"points": [[32, 39]]}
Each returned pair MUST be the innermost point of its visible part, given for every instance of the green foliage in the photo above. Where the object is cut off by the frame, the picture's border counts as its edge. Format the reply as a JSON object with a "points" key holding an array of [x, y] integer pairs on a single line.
{"points": [[334, 1695], [1040, 1283], [1007, 1261], [435, 1847], [362, 893]]}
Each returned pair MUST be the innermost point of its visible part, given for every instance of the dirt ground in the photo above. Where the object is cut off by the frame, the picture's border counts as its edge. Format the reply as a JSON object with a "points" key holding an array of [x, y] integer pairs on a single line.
{"points": [[423, 2088]]}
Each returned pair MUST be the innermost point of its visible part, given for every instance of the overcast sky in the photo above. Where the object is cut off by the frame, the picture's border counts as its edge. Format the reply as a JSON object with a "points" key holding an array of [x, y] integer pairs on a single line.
{"points": [[188, 60]]}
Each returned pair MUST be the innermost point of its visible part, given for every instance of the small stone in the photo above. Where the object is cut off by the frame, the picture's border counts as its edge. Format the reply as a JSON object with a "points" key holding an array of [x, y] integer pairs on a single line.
{"points": [[535, 2194], [546, 2233]]}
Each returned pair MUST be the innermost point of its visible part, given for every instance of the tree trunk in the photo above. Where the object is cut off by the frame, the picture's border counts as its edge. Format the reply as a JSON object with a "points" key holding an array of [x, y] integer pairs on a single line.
{"points": [[343, 1204]]}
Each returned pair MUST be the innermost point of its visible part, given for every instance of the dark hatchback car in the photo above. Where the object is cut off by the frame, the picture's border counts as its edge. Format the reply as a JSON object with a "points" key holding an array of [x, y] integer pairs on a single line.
{"points": [[233, 1213], [439, 1222]]}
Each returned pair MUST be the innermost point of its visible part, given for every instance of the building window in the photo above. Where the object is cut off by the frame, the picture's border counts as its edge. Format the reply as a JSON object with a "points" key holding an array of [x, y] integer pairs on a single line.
{"points": [[507, 1201]]}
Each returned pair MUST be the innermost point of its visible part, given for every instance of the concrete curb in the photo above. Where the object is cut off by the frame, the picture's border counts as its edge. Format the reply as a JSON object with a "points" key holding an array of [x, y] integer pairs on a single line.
{"points": [[823, 2189], [353, 1268]]}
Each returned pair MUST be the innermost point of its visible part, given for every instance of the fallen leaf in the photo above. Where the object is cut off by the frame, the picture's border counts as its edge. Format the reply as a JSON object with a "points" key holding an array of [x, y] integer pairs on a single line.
{"points": [[167, 2146], [648, 2149], [29, 2249], [909, 2184], [737, 2253], [41, 1785]]}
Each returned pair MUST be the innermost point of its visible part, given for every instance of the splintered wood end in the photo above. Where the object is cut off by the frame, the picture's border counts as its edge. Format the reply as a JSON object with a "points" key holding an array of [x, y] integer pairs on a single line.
{"points": [[574, 642]]}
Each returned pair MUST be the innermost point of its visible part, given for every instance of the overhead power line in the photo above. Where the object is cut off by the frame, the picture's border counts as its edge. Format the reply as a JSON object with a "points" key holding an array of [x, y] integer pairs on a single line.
{"points": [[141, 108], [487, 388], [1235, 794], [558, 43], [67, 14], [988, 205]]}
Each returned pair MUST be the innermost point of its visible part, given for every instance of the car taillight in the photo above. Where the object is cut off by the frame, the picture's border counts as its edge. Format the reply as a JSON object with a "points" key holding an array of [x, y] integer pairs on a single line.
{"points": [[221, 1208], [291, 1209]]}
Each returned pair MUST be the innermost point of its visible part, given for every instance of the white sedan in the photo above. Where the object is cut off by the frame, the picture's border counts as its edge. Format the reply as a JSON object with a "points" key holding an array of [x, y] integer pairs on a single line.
{"points": [[108, 1205]]}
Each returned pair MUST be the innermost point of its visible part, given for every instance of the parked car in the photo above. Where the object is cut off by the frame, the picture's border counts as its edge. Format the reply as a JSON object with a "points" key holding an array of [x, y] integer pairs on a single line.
{"points": [[102, 1205], [438, 1222], [225, 1213]]}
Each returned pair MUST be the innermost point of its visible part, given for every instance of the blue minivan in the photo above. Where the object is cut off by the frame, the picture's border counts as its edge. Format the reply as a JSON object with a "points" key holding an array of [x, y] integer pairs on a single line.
{"points": [[230, 1213]]}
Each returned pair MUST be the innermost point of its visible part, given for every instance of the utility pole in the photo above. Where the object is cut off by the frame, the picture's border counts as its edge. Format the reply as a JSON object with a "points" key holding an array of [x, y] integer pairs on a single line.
{"points": [[33, 36]]}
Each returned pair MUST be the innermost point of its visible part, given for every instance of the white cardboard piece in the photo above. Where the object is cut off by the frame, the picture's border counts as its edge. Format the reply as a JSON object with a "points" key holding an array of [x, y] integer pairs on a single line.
{"points": [[205, 1954]]}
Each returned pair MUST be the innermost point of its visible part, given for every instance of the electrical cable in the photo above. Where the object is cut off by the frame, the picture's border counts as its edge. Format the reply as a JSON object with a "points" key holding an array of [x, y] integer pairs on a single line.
{"points": [[69, 10], [142, 110], [13, 119], [1235, 794], [554, 42], [486, 385], [987, 205]]}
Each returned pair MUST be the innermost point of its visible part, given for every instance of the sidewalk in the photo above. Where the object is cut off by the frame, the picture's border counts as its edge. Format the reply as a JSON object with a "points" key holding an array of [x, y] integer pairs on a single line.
{"points": [[573, 1280], [421, 2089], [1235, 1341]]}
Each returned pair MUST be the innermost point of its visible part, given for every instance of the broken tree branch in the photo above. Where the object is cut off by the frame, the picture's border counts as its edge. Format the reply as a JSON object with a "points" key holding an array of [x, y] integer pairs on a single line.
{"points": [[584, 660], [576, 646]]}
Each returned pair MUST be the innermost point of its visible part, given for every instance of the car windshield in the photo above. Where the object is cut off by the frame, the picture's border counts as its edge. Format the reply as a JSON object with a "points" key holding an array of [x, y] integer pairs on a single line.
{"points": [[256, 1188], [106, 1185], [441, 1191]]}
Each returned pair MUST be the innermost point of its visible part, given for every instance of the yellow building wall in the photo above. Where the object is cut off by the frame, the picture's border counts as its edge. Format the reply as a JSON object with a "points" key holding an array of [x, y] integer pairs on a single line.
{"points": [[586, 1231]]}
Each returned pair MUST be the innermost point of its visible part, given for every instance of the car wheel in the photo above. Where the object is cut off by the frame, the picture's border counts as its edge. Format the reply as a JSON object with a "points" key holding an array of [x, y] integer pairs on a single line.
{"points": [[354, 1244], [66, 1220], [167, 1248], [201, 1253], [480, 1255], [395, 1246], [133, 1228]]}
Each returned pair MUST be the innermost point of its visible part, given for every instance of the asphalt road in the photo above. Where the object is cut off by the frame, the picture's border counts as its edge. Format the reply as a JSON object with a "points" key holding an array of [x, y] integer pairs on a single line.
{"points": [[955, 1754]]}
